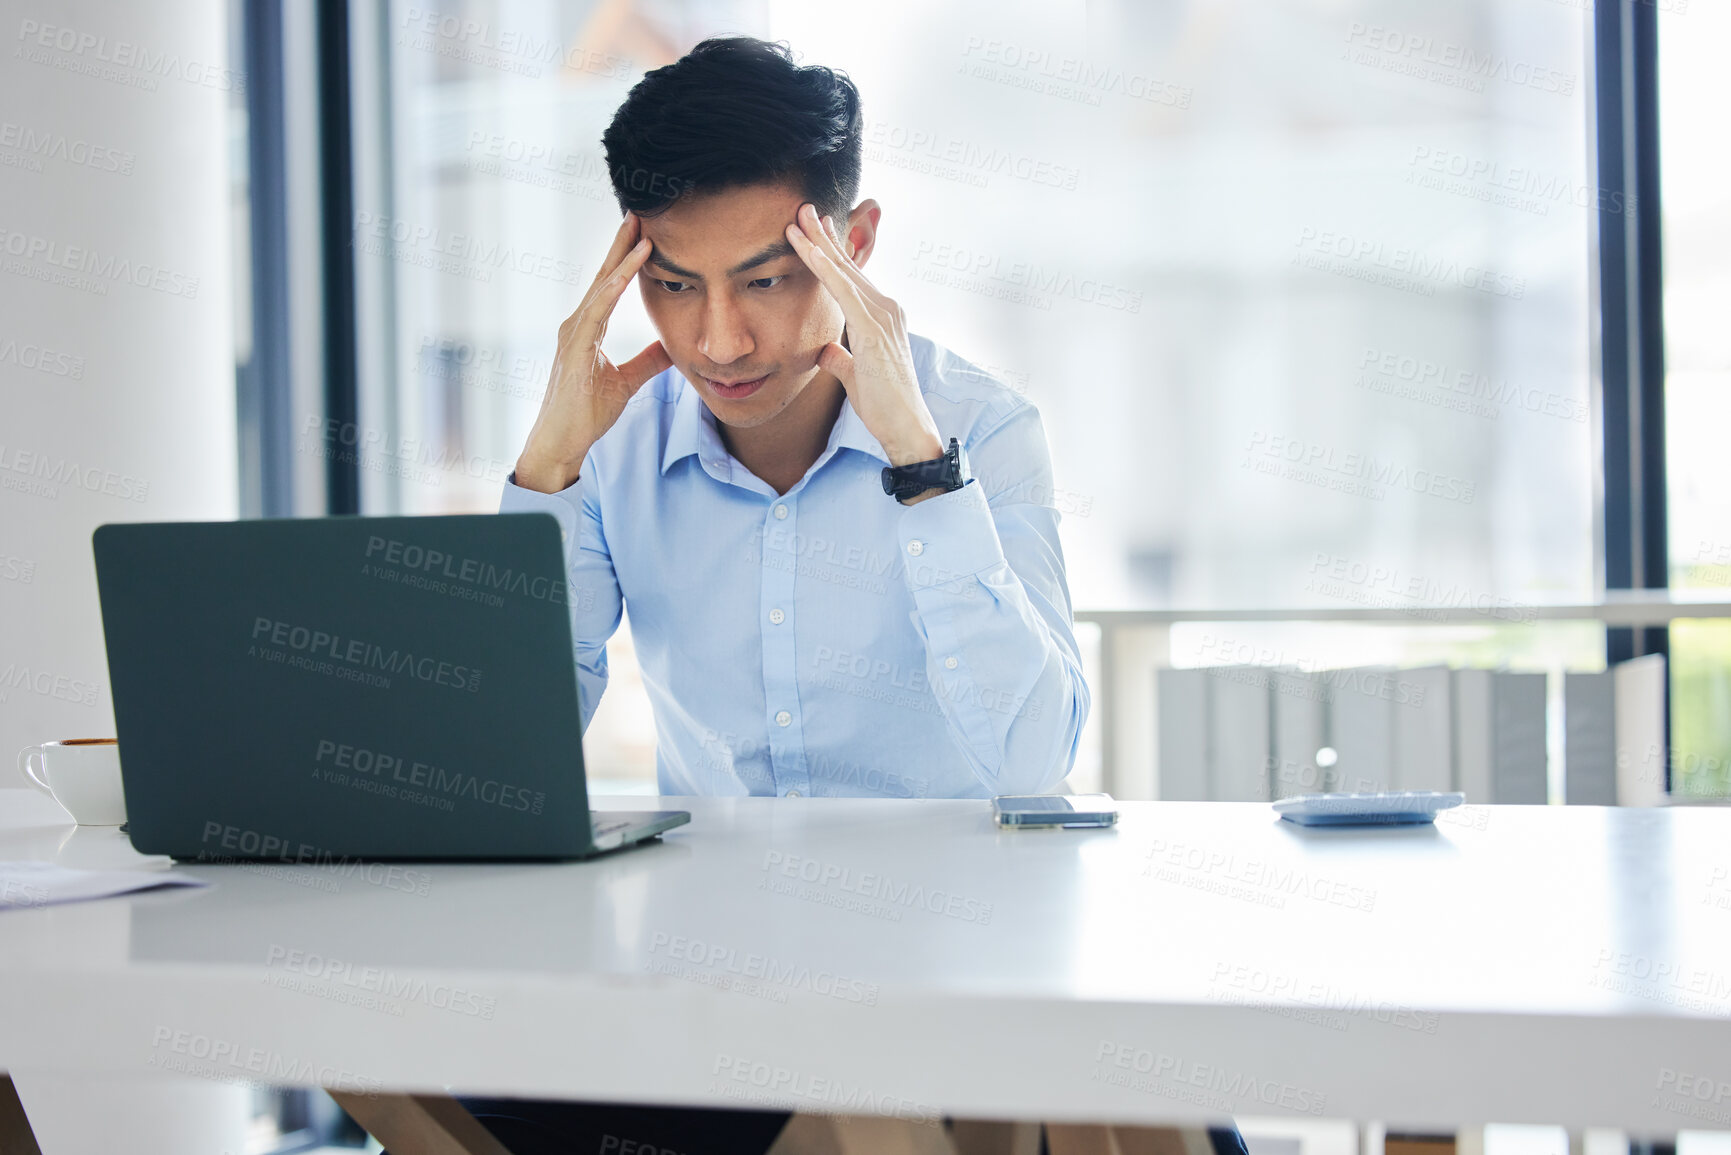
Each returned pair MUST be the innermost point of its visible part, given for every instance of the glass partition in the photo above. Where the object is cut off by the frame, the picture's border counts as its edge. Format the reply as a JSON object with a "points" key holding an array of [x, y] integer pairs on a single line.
{"points": [[1694, 91], [1301, 289]]}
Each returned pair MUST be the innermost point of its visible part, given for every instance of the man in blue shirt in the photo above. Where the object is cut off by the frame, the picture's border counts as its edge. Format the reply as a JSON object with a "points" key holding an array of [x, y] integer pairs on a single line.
{"points": [[801, 631]]}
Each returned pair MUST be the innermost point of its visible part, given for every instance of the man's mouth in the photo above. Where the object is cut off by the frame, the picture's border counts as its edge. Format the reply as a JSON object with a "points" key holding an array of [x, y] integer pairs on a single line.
{"points": [[738, 387]]}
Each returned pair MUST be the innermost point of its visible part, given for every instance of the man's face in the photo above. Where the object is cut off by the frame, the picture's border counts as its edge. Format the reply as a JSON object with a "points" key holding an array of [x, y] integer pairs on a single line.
{"points": [[738, 311]]}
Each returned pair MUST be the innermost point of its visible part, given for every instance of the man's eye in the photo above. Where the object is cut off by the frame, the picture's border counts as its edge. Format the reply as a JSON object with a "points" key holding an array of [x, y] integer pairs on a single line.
{"points": [[673, 286], [767, 282]]}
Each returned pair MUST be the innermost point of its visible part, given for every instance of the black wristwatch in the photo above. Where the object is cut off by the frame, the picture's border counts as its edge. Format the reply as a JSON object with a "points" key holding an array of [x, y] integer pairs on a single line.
{"points": [[946, 473]]}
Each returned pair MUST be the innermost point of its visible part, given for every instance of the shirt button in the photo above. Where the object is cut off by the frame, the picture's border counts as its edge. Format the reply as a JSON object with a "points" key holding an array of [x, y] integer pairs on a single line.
{"points": [[781, 513], [949, 663], [916, 548], [793, 794], [783, 718], [777, 616]]}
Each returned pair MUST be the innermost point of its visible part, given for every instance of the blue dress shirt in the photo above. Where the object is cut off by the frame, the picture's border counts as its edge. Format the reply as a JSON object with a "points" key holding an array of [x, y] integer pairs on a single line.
{"points": [[830, 640]]}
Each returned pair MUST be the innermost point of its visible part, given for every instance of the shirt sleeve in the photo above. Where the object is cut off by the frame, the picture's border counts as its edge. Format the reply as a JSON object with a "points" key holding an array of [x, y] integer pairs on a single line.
{"points": [[986, 571], [591, 586]]}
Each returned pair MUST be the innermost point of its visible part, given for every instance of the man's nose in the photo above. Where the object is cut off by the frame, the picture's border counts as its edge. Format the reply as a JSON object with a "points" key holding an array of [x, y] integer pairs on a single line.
{"points": [[725, 337]]}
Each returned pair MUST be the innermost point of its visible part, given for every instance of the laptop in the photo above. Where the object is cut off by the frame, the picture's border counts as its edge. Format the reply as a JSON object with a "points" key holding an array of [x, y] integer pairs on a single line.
{"points": [[351, 688]]}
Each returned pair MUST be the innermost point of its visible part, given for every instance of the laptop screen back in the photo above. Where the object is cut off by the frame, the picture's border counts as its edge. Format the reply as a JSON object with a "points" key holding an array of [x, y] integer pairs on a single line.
{"points": [[396, 687]]}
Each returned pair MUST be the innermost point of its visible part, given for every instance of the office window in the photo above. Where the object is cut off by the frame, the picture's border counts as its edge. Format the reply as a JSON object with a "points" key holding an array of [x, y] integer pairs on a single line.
{"points": [[1300, 288], [1693, 94]]}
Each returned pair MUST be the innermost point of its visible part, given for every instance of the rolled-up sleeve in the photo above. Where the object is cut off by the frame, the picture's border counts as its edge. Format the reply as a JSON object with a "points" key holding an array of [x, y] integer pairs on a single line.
{"points": [[592, 587], [986, 571]]}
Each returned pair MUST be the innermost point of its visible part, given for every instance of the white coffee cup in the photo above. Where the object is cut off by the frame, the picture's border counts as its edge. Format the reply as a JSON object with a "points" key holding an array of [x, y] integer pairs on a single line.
{"points": [[82, 774]]}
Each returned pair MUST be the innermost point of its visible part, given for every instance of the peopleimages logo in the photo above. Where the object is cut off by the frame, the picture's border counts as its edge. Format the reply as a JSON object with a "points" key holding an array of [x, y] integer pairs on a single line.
{"points": [[463, 253], [1514, 186], [484, 367], [1174, 861], [471, 571], [46, 683], [41, 143], [358, 762], [1379, 584], [1265, 990], [31, 356], [1350, 472], [17, 569], [482, 42], [1069, 77], [970, 158], [531, 154], [879, 887], [376, 980], [1686, 1093], [1234, 1088], [1398, 266], [361, 654], [260, 849], [43, 473], [190, 1053], [86, 269], [1420, 378], [1040, 280], [714, 956], [101, 57], [774, 1085], [1459, 65]]}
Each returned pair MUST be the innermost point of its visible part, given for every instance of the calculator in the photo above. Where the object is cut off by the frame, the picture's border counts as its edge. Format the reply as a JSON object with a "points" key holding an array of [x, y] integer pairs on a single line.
{"points": [[1382, 808]]}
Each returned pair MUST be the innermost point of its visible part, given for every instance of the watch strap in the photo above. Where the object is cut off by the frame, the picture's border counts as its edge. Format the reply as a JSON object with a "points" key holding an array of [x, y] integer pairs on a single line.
{"points": [[903, 481]]}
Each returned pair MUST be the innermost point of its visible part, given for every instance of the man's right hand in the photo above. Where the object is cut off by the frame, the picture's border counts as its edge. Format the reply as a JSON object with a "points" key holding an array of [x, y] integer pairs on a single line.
{"points": [[587, 392]]}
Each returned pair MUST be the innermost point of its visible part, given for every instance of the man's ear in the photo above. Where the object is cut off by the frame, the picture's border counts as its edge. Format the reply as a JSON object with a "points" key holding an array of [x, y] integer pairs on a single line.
{"points": [[860, 234]]}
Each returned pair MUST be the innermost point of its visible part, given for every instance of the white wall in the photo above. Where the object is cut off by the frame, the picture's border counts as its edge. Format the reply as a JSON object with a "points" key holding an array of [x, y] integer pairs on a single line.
{"points": [[116, 339]]}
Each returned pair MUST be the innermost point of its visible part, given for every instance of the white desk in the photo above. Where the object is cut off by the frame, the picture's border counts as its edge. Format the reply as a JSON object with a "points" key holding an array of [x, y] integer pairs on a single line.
{"points": [[1495, 963]]}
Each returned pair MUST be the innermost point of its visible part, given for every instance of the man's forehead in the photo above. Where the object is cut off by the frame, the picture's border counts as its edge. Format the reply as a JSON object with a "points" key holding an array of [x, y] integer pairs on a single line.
{"points": [[727, 231]]}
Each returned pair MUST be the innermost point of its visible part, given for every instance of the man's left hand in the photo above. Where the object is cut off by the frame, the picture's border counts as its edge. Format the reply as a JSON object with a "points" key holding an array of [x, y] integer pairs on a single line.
{"points": [[877, 369]]}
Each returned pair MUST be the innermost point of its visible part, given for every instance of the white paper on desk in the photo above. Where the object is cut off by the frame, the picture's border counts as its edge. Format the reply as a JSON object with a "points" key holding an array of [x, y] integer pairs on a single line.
{"points": [[43, 883]]}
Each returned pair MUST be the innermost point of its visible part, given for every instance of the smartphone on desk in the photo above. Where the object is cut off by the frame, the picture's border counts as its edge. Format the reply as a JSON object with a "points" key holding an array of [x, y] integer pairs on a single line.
{"points": [[1051, 810]]}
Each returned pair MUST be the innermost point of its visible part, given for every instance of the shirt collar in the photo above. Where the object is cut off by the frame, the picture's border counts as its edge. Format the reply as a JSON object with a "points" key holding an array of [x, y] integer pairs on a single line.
{"points": [[693, 431]]}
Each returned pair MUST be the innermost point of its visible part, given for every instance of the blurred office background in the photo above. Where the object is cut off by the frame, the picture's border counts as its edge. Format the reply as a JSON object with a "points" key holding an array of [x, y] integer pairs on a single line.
{"points": [[1308, 295], [1311, 296]]}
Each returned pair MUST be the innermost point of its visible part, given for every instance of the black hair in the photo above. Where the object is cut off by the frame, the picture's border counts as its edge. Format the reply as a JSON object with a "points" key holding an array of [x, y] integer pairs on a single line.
{"points": [[736, 111]]}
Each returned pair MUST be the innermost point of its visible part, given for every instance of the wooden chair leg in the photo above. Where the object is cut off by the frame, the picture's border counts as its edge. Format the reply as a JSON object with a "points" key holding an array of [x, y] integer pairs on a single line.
{"points": [[16, 1137], [1080, 1139], [880, 1135], [1411, 1143], [1099, 1139], [1158, 1141], [807, 1135], [985, 1137], [420, 1124], [860, 1135]]}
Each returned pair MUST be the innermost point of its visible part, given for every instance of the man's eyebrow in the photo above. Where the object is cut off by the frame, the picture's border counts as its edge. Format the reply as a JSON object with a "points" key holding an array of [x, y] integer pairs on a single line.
{"points": [[770, 252]]}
